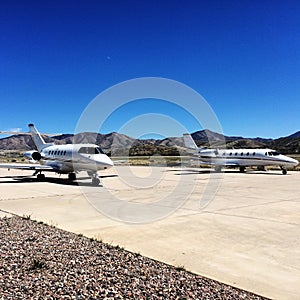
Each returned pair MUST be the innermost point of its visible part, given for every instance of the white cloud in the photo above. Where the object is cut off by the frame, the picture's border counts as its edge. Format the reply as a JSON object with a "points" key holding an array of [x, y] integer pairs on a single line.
{"points": [[18, 129]]}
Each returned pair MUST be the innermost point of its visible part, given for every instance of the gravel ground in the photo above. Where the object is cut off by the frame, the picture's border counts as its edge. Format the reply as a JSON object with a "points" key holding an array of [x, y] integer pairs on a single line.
{"points": [[42, 262]]}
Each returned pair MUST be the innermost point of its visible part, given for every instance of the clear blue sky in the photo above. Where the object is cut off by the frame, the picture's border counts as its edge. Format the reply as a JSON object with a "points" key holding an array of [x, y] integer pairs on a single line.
{"points": [[243, 57]]}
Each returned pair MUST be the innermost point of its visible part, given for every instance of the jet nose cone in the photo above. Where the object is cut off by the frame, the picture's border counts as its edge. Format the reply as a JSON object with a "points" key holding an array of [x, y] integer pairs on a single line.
{"points": [[101, 162], [110, 162], [292, 162], [105, 160], [295, 162]]}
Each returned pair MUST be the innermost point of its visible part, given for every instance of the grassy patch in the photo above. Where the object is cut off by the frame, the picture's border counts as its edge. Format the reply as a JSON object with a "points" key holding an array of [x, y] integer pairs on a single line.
{"points": [[37, 264]]}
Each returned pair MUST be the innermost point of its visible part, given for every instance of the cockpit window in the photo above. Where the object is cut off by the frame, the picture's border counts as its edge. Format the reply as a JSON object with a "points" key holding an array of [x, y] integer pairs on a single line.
{"points": [[90, 150], [100, 150], [273, 153]]}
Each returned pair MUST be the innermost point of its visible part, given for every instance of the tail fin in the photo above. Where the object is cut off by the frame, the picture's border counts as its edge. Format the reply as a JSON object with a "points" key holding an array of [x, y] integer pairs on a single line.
{"points": [[189, 142], [37, 138]]}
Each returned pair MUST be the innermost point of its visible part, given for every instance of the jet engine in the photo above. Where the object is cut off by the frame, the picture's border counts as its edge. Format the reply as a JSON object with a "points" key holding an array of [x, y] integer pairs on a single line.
{"points": [[33, 155]]}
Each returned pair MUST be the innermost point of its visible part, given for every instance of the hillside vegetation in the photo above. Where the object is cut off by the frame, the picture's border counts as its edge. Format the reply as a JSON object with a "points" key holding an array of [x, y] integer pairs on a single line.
{"points": [[117, 144]]}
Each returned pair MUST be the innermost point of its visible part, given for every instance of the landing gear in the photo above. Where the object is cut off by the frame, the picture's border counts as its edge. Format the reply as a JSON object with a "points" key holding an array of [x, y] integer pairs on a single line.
{"points": [[242, 169], [40, 177], [218, 169], [72, 176], [95, 178], [284, 171], [95, 181], [261, 168]]}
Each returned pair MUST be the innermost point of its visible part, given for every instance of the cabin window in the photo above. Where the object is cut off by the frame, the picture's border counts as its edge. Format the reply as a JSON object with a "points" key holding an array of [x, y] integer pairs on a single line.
{"points": [[253, 153], [242, 154], [65, 152], [230, 153], [266, 153], [235, 154], [55, 152], [248, 153]]}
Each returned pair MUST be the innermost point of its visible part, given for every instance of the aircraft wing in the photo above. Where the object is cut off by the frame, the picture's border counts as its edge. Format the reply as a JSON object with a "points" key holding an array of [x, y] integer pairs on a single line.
{"points": [[218, 164], [212, 163], [231, 164], [34, 167]]}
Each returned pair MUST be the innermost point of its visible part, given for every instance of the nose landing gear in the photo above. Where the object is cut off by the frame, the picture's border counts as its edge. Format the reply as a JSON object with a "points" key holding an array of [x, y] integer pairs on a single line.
{"points": [[95, 181], [284, 171], [95, 178]]}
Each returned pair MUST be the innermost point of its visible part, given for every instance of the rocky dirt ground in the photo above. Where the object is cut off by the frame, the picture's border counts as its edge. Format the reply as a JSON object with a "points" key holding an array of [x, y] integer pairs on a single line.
{"points": [[42, 262]]}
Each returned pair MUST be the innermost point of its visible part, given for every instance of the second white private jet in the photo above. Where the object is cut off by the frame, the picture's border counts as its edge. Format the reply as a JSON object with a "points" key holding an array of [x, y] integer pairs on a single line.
{"points": [[241, 158], [63, 159]]}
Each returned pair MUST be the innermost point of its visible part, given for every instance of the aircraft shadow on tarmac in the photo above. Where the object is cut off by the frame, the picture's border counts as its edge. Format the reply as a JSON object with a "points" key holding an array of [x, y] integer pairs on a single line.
{"points": [[193, 172], [80, 181]]}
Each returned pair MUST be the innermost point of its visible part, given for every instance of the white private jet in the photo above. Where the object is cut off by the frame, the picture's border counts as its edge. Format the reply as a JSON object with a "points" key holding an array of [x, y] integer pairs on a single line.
{"points": [[241, 158], [63, 159]]}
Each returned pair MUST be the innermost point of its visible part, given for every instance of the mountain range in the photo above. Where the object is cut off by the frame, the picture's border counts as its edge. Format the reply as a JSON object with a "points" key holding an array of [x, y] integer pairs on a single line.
{"points": [[120, 144]]}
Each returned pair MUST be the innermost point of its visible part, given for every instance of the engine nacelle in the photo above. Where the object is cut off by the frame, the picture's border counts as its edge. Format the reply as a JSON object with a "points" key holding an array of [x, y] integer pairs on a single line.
{"points": [[33, 155]]}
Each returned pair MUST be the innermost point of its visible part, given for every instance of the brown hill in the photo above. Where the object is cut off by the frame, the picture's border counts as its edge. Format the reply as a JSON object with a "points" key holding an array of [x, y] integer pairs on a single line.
{"points": [[120, 144]]}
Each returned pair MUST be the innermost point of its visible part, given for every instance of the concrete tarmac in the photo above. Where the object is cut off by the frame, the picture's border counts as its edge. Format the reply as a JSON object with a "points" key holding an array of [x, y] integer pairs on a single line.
{"points": [[239, 228]]}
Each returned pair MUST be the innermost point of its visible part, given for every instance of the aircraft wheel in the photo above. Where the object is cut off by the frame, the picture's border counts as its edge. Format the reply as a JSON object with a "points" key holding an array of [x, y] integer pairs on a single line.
{"points": [[72, 176], [218, 169], [284, 171], [95, 181], [261, 168], [242, 169], [40, 177]]}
